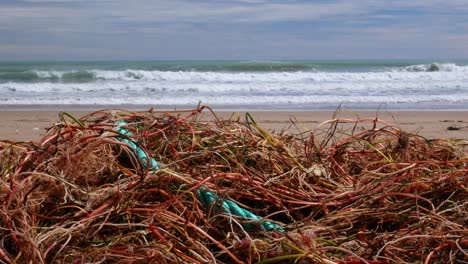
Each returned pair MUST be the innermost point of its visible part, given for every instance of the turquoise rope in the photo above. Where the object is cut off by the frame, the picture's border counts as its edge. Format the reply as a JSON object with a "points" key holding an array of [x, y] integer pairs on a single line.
{"points": [[140, 153], [208, 198]]}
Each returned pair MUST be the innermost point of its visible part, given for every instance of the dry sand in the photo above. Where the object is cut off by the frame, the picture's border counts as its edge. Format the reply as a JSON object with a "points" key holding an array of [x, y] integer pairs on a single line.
{"points": [[31, 125]]}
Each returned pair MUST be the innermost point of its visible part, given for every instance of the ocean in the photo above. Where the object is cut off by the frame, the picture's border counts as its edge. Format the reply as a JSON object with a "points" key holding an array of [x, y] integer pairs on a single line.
{"points": [[237, 85]]}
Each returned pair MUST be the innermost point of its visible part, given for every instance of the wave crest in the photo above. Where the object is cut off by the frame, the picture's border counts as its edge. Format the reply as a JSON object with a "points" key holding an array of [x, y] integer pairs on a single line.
{"points": [[53, 77], [258, 71], [435, 67]]}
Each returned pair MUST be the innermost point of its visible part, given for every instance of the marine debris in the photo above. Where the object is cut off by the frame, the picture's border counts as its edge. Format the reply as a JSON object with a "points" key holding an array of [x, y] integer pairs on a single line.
{"points": [[228, 191]]}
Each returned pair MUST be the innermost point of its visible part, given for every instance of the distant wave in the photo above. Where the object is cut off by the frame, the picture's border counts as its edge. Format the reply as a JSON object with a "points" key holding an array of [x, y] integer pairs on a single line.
{"points": [[232, 72], [434, 67], [410, 73], [54, 77], [292, 85], [261, 66], [161, 72], [228, 88]]}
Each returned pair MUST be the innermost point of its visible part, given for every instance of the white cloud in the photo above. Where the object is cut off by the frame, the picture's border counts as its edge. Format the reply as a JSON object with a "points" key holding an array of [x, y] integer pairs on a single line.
{"points": [[176, 11], [246, 11], [41, 51], [232, 27]]}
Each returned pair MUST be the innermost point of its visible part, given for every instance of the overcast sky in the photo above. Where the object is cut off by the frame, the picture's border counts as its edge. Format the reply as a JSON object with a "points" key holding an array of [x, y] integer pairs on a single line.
{"points": [[236, 29]]}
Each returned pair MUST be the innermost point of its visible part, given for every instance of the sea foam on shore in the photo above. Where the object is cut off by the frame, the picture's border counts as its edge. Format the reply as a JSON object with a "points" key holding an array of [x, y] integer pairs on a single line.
{"points": [[242, 85]]}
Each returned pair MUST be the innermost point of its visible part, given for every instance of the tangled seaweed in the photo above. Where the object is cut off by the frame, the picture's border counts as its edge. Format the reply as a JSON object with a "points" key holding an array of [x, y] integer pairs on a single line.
{"points": [[375, 195]]}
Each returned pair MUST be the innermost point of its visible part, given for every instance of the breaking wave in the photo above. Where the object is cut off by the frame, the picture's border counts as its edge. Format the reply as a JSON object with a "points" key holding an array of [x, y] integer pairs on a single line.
{"points": [[252, 84], [435, 67]]}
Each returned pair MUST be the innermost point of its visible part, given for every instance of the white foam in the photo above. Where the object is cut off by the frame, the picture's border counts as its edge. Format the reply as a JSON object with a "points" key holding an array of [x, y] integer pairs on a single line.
{"points": [[221, 88], [414, 72], [240, 100], [434, 67]]}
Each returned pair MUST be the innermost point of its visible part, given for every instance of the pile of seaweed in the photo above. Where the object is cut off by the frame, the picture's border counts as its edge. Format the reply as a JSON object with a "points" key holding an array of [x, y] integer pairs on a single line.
{"points": [[164, 187]]}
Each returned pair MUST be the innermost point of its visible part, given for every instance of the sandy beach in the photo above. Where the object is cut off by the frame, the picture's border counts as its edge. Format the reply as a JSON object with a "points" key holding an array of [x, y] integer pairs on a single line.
{"points": [[31, 125], [238, 132]]}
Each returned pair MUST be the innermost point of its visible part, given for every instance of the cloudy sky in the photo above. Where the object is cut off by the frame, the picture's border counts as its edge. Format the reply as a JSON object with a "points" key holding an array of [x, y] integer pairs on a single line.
{"points": [[233, 29]]}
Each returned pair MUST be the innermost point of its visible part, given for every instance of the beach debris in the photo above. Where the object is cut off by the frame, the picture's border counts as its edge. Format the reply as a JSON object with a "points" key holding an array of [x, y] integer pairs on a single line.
{"points": [[93, 190], [456, 127], [211, 200], [142, 157]]}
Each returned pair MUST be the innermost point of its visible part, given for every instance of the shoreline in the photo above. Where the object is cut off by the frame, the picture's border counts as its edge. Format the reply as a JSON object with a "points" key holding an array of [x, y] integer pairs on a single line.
{"points": [[228, 108], [26, 125]]}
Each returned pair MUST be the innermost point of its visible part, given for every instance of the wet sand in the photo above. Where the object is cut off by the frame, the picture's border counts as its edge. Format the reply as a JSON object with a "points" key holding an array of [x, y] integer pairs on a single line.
{"points": [[31, 125]]}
